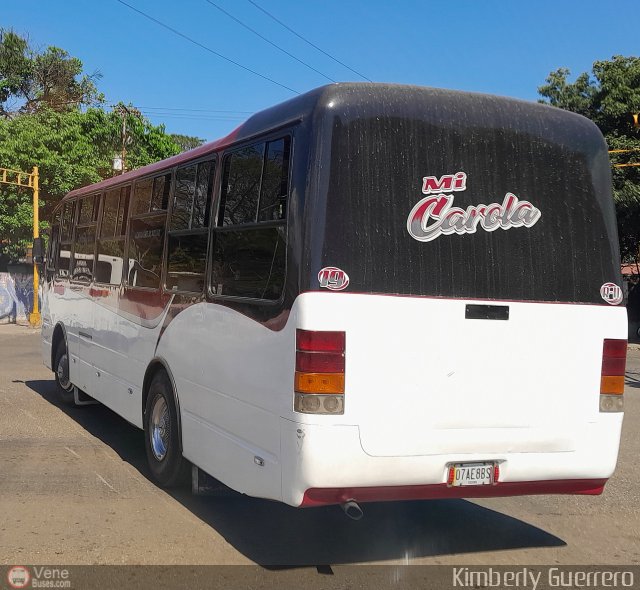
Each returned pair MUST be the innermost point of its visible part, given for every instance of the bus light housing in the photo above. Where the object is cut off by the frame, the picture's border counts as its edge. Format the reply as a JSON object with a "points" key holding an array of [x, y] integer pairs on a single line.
{"points": [[319, 377], [614, 358]]}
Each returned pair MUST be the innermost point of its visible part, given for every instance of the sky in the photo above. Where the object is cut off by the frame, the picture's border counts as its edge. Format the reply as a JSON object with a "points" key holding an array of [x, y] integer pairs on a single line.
{"points": [[504, 47]]}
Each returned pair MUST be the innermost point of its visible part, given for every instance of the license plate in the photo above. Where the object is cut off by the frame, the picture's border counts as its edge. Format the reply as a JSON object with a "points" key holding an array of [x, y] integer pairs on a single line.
{"points": [[471, 474]]}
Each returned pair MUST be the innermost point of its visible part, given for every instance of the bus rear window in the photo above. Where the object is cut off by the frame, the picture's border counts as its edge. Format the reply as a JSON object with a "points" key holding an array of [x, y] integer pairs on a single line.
{"points": [[491, 207]]}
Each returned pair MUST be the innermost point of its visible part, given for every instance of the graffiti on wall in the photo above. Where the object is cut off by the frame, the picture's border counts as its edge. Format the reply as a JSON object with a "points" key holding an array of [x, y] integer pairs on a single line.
{"points": [[16, 296]]}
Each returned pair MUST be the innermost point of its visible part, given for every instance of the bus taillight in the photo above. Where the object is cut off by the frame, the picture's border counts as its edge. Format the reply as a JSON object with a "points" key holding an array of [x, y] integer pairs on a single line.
{"points": [[614, 358], [319, 377]]}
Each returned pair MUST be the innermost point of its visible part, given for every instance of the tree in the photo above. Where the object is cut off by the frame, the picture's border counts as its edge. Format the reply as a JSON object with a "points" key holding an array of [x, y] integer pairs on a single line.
{"points": [[186, 142], [72, 149], [610, 96], [31, 80], [47, 119]]}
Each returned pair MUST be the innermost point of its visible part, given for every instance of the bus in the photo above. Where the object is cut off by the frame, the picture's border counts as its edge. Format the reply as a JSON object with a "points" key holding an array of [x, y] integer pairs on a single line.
{"points": [[369, 292]]}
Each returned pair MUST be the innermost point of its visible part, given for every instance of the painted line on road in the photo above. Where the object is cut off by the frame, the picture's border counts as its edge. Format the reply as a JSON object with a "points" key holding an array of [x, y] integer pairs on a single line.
{"points": [[35, 420], [72, 452], [105, 482]]}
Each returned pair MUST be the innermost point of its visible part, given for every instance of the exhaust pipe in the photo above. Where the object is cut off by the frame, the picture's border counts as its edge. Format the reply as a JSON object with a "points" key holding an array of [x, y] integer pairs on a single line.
{"points": [[352, 509]]}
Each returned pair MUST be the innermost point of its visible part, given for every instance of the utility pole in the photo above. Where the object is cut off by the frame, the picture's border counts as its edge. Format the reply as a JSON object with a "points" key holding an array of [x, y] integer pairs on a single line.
{"points": [[124, 112], [32, 181]]}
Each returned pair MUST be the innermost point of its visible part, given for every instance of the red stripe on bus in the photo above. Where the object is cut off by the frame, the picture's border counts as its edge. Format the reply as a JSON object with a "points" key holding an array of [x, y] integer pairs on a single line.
{"points": [[327, 496], [450, 298]]}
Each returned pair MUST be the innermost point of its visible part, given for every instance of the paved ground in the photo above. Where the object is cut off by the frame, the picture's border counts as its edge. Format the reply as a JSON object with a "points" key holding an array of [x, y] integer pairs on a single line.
{"points": [[74, 489]]}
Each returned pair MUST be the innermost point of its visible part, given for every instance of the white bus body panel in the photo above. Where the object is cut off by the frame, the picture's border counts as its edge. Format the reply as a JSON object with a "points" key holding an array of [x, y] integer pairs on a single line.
{"points": [[234, 379], [424, 387]]}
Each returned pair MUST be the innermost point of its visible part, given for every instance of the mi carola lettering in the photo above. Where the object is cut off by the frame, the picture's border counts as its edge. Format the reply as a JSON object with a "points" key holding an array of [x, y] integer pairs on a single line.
{"points": [[435, 215]]}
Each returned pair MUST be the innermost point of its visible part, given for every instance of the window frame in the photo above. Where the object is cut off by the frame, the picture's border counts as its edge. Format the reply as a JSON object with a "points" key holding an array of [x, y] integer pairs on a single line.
{"points": [[275, 135], [215, 159], [54, 242], [76, 226], [70, 242], [153, 213], [125, 228]]}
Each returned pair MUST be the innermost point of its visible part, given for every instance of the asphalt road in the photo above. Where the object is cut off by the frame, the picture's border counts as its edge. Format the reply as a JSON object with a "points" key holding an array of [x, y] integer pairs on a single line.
{"points": [[74, 489]]}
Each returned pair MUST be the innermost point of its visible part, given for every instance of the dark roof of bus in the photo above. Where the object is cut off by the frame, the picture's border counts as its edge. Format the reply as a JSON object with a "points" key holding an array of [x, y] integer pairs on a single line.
{"points": [[300, 107]]}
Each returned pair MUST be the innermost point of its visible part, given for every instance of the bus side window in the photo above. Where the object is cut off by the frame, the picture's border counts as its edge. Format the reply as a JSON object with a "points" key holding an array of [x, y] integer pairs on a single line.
{"points": [[142, 192], [88, 212], [146, 231], [188, 235], [241, 185], [84, 242], [63, 255], [249, 252], [151, 194], [53, 248], [146, 241], [273, 195], [112, 236]]}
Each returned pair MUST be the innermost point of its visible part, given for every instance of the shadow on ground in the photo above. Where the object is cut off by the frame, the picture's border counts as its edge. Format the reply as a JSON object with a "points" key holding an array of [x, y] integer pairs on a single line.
{"points": [[275, 535], [632, 379]]}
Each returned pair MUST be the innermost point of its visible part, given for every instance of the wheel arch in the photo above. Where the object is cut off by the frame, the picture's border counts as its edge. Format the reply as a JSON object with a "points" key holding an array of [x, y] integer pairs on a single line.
{"points": [[59, 334], [160, 364]]}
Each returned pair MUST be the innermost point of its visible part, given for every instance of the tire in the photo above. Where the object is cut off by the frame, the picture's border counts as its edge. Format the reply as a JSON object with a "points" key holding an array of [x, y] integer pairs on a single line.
{"points": [[161, 435], [64, 386]]}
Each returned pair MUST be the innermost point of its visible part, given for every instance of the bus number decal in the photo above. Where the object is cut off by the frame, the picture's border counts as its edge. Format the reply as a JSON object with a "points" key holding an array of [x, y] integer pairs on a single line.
{"points": [[611, 293], [333, 278]]}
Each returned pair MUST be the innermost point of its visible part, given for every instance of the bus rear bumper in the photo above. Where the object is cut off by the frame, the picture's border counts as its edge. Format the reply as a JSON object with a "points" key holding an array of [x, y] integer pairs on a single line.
{"points": [[325, 496], [327, 465]]}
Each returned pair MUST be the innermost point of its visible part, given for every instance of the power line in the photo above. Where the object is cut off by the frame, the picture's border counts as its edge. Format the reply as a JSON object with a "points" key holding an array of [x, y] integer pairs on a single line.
{"points": [[190, 114], [179, 110], [192, 110], [307, 41], [304, 63], [191, 117], [176, 32]]}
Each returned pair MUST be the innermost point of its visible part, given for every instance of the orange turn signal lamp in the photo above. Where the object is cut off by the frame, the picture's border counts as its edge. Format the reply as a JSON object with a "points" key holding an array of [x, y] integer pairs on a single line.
{"points": [[319, 383]]}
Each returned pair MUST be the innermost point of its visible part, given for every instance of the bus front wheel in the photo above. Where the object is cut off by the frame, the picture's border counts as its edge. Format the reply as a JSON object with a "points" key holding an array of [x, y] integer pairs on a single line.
{"points": [[162, 438], [61, 370]]}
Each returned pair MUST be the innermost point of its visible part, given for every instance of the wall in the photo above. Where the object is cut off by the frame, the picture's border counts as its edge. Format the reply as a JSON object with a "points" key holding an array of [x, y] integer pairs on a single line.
{"points": [[16, 294]]}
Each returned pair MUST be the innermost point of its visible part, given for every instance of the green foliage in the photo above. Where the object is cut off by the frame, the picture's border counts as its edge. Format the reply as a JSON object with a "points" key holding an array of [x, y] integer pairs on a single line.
{"points": [[610, 96], [31, 80], [186, 142], [42, 124], [71, 149], [15, 67]]}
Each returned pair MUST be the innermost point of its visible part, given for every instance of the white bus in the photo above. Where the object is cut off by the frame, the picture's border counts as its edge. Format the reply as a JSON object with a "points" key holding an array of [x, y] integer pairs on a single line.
{"points": [[369, 292]]}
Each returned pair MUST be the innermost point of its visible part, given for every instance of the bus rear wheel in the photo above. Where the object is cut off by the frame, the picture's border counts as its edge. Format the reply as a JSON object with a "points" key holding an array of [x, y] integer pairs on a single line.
{"points": [[162, 437], [61, 370]]}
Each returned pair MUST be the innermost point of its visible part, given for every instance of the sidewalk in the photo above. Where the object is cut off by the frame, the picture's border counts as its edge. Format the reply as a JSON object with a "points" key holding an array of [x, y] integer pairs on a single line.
{"points": [[21, 328]]}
